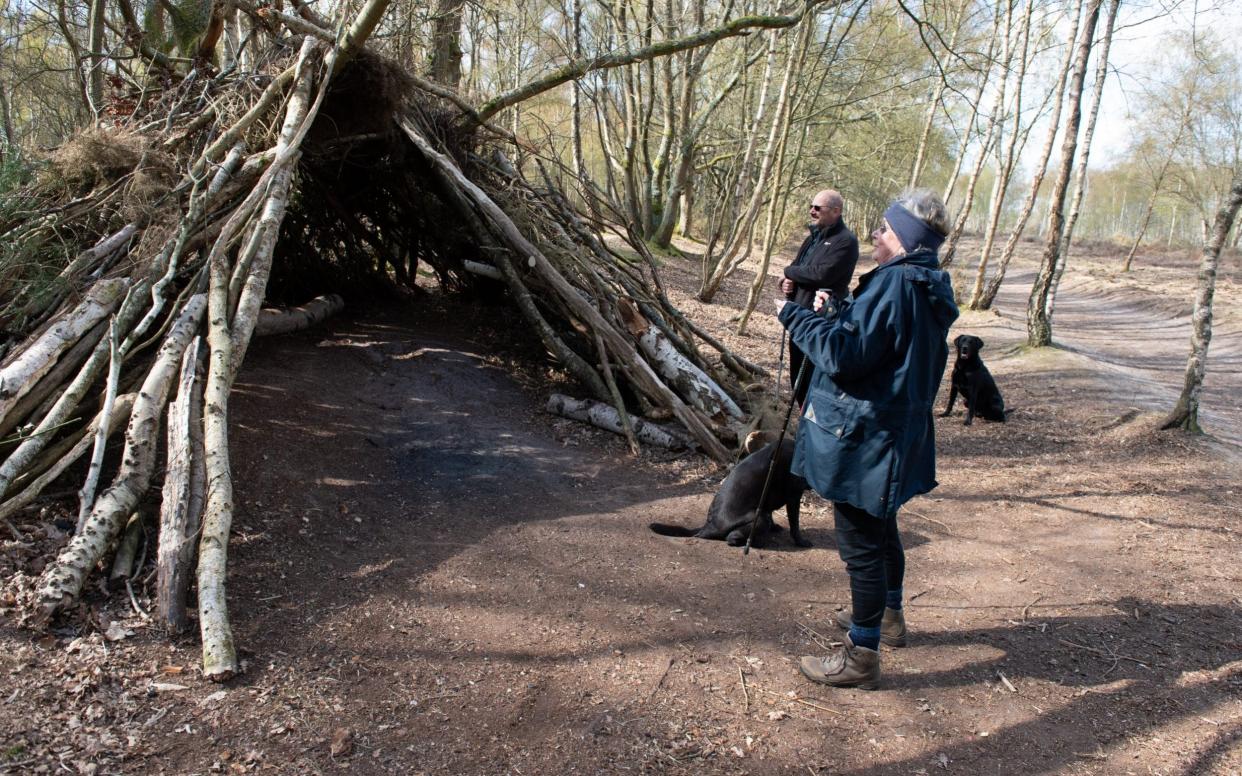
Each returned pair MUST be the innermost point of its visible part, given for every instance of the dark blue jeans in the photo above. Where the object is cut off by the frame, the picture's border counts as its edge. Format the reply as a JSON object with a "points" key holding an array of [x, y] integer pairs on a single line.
{"points": [[873, 555]]}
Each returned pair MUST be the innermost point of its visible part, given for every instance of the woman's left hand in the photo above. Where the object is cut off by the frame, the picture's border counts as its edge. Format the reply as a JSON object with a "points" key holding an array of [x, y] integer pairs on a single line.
{"points": [[780, 304]]}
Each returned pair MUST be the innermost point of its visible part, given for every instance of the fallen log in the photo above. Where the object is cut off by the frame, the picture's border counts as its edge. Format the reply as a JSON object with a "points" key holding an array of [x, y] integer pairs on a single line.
{"points": [[317, 310], [605, 416]]}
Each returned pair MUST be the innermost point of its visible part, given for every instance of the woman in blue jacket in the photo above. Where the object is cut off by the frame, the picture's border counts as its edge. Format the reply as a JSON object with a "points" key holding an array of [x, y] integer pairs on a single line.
{"points": [[865, 440]]}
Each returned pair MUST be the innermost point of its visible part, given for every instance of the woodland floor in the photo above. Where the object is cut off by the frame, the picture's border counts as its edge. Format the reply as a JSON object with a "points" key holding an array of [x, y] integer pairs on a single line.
{"points": [[431, 575]]}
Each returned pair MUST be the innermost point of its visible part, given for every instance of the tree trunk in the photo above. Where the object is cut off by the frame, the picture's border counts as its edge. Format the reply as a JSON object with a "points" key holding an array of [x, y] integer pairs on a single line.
{"points": [[920, 154], [228, 336], [1080, 182], [1038, 324], [1006, 158], [575, 96], [314, 312], [444, 65], [95, 34], [733, 254], [1028, 206], [1185, 414], [960, 157]]}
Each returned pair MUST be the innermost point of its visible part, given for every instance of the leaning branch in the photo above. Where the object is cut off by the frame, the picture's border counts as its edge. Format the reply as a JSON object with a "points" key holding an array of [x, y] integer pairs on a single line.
{"points": [[575, 70]]}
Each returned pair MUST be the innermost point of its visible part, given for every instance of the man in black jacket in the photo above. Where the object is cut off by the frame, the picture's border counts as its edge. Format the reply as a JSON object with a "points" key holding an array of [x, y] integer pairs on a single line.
{"points": [[825, 260]]}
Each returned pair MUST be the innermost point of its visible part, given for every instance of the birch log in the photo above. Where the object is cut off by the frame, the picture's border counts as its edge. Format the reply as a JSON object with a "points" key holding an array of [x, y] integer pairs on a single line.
{"points": [[690, 382], [120, 413], [605, 416], [272, 322], [228, 335], [62, 581], [62, 410], [31, 407], [181, 510], [37, 359], [99, 251]]}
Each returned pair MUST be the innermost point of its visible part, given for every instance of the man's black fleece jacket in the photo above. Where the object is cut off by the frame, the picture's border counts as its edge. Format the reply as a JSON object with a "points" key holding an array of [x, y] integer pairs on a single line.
{"points": [[826, 260]]}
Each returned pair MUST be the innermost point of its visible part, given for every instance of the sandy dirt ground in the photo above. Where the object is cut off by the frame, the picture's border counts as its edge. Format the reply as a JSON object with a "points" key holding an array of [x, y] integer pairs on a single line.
{"points": [[431, 575]]}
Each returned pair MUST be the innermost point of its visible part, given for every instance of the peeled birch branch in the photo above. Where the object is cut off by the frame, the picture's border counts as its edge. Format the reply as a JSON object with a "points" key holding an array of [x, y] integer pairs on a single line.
{"points": [[605, 416]]}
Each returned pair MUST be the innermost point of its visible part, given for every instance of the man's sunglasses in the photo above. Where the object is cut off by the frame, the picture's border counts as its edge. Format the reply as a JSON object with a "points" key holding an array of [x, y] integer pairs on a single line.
{"points": [[817, 208]]}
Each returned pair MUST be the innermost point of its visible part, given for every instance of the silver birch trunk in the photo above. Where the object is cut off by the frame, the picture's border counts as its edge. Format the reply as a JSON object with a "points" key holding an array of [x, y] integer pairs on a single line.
{"points": [[1185, 414], [691, 383], [61, 583], [733, 255], [605, 416], [95, 78], [1038, 324], [228, 335], [1005, 160], [1041, 167], [960, 157], [1080, 181], [314, 312]]}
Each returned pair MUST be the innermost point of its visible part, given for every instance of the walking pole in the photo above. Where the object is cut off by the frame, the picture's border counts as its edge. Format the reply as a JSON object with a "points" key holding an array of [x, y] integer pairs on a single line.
{"points": [[776, 449], [827, 309]]}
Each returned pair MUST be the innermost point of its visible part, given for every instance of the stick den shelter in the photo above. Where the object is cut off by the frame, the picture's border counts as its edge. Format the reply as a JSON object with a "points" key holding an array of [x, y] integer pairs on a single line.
{"points": [[138, 261]]}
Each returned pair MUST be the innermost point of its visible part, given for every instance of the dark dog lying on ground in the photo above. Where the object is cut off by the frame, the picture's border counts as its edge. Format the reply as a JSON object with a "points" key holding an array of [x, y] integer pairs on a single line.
{"points": [[733, 508], [973, 380]]}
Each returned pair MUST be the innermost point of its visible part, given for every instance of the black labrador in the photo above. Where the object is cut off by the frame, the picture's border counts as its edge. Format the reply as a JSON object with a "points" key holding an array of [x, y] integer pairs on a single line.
{"points": [[733, 508], [973, 380]]}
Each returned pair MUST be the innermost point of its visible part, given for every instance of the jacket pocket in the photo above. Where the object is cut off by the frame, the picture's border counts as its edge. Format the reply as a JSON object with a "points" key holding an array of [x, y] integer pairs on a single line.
{"points": [[835, 414]]}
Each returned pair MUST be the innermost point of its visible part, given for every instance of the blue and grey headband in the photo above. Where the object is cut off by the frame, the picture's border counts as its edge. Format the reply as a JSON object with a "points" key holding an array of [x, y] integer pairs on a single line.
{"points": [[913, 231]]}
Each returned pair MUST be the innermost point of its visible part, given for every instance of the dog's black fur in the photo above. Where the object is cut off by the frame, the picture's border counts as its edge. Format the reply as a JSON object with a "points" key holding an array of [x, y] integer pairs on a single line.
{"points": [[973, 380], [733, 508]]}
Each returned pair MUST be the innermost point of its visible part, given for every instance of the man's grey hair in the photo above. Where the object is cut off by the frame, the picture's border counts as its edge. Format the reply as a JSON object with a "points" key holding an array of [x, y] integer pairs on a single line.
{"points": [[927, 205]]}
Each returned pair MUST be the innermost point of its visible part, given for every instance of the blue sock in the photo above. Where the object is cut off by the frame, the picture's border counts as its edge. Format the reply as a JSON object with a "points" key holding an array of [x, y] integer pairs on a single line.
{"points": [[892, 599], [865, 637]]}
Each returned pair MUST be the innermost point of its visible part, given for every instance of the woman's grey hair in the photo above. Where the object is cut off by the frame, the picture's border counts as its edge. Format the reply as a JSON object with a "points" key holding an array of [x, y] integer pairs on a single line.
{"points": [[927, 205]]}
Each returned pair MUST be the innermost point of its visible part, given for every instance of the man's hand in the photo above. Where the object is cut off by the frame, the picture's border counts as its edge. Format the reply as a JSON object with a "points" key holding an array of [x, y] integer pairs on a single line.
{"points": [[787, 286]]}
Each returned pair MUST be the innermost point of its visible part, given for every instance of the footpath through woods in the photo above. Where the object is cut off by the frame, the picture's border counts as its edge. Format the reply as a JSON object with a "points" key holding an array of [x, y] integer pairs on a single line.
{"points": [[1145, 340], [431, 575]]}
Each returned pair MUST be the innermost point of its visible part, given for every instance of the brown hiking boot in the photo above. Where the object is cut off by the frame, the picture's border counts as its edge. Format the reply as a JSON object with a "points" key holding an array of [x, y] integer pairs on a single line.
{"points": [[892, 627], [851, 666]]}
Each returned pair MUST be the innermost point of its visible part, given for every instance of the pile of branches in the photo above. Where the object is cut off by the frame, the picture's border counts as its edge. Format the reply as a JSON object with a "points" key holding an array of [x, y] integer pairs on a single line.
{"points": [[168, 227]]}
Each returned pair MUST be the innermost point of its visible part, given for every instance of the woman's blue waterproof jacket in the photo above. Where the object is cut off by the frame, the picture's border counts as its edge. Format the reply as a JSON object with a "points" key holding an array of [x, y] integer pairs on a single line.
{"points": [[866, 435]]}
